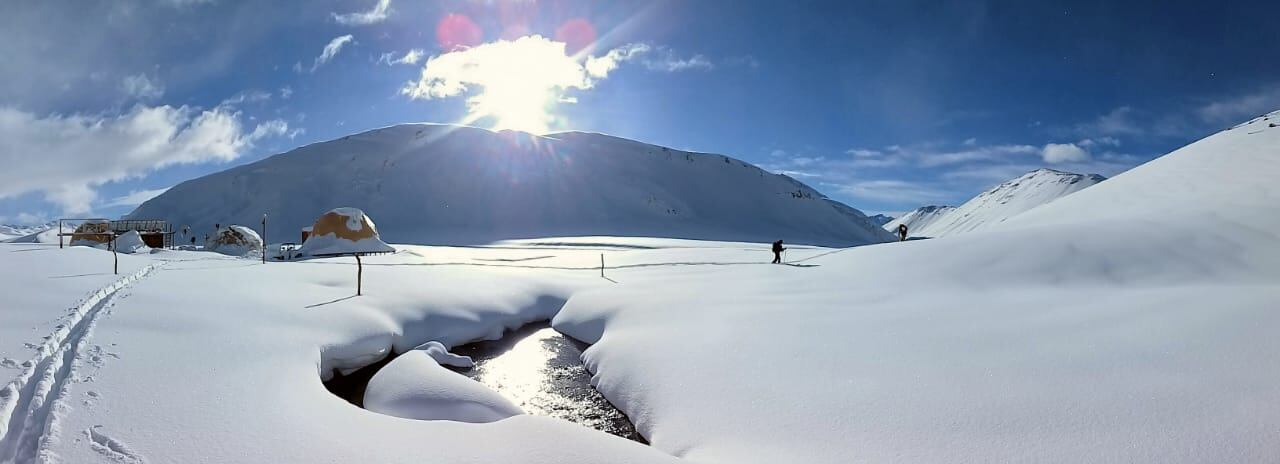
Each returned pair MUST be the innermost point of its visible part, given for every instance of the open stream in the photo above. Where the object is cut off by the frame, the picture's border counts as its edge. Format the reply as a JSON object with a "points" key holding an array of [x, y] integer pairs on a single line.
{"points": [[535, 367]]}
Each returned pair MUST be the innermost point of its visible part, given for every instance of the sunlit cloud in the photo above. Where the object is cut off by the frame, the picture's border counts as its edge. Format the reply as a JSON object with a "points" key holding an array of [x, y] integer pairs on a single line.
{"points": [[517, 82], [331, 50], [378, 14], [1055, 153], [122, 146], [142, 87], [412, 56]]}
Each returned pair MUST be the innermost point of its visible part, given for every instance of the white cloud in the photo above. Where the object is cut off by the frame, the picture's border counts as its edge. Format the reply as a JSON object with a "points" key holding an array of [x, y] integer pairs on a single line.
{"points": [[1099, 142], [601, 66], [898, 191], [984, 153], [1119, 121], [286, 92], [378, 14], [671, 63], [413, 56], [1055, 153], [653, 58], [248, 96], [331, 50], [1239, 108], [141, 87], [65, 157], [134, 198]]}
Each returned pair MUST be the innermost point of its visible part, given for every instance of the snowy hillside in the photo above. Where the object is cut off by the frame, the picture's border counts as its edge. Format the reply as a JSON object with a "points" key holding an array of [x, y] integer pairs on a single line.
{"points": [[12, 232], [879, 219], [996, 205], [919, 219], [427, 183]]}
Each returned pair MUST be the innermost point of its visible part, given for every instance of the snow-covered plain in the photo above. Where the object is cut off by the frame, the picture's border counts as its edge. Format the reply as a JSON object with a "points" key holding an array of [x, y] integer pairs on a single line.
{"points": [[995, 205], [1111, 325]]}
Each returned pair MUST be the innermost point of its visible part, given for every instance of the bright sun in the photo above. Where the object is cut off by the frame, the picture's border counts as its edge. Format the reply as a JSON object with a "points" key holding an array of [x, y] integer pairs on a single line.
{"points": [[516, 84]]}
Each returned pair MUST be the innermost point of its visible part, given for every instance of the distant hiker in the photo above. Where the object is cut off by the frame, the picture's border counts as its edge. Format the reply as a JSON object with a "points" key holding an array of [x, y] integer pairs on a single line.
{"points": [[777, 252], [902, 232]]}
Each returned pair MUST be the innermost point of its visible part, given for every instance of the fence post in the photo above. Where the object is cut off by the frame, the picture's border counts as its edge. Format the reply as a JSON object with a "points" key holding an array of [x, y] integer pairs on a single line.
{"points": [[359, 275], [601, 264]]}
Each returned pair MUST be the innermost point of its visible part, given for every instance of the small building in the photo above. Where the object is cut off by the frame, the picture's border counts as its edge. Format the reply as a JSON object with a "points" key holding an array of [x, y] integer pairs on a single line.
{"points": [[155, 233], [343, 231]]}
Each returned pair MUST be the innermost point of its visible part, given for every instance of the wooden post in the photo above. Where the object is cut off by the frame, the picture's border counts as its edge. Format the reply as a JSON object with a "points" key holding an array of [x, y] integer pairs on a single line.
{"points": [[264, 238], [601, 264], [359, 274], [114, 255], [59, 233]]}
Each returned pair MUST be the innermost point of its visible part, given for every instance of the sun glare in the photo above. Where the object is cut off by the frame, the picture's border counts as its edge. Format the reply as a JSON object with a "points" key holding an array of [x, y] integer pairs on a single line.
{"points": [[510, 84]]}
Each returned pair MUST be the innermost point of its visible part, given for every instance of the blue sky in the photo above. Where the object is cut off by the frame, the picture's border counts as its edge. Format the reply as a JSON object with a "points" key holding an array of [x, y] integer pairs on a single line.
{"points": [[885, 105]]}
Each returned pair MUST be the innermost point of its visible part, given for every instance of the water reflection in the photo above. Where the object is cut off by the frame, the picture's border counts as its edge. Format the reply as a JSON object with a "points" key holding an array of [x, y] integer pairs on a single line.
{"points": [[541, 370]]}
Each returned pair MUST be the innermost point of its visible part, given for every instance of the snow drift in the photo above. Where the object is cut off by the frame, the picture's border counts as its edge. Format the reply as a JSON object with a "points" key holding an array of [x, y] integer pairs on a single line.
{"points": [[431, 183], [996, 205], [415, 386], [131, 242]]}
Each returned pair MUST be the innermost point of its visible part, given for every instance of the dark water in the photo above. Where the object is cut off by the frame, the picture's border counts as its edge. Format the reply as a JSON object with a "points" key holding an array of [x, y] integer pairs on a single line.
{"points": [[535, 367]]}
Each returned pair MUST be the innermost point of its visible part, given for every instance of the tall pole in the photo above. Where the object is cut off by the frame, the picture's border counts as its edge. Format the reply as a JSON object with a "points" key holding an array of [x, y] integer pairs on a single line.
{"points": [[59, 233], [601, 264], [114, 255], [359, 274], [264, 238]]}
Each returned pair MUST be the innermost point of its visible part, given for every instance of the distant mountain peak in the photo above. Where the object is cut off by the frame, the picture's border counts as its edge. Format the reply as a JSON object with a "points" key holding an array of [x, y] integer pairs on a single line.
{"points": [[1006, 200]]}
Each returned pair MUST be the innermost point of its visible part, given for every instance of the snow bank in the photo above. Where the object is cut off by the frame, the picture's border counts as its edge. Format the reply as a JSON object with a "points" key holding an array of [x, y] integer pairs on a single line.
{"points": [[235, 240], [415, 386], [441, 354], [131, 242]]}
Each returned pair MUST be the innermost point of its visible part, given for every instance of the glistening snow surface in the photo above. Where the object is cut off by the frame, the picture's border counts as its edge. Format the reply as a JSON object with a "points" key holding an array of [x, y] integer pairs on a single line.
{"points": [[432, 184], [1047, 338]]}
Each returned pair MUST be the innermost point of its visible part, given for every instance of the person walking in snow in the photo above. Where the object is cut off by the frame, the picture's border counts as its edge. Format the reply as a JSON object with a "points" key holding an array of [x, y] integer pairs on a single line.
{"points": [[777, 252], [902, 232]]}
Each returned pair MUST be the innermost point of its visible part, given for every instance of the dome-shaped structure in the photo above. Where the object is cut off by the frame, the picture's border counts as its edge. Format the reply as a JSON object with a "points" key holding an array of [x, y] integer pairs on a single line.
{"points": [[235, 241], [94, 233], [344, 231]]}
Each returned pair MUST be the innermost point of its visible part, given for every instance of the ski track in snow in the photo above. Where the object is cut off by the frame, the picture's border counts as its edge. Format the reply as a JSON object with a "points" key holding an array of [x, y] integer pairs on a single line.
{"points": [[31, 404]]}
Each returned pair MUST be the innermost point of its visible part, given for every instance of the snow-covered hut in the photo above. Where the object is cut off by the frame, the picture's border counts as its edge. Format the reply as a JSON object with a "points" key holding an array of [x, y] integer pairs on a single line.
{"points": [[235, 241], [344, 231], [94, 233]]}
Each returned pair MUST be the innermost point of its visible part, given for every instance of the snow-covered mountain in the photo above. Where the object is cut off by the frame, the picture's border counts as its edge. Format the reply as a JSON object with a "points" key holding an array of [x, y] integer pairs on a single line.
{"points": [[429, 183], [918, 218], [996, 205], [879, 219], [13, 232]]}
